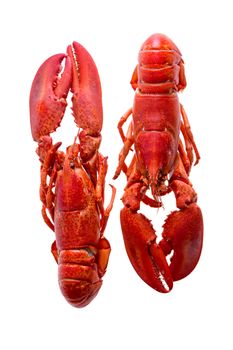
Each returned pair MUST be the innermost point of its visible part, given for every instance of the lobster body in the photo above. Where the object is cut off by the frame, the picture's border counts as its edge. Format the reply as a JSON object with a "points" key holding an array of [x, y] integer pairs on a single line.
{"points": [[161, 164], [156, 141], [72, 182]]}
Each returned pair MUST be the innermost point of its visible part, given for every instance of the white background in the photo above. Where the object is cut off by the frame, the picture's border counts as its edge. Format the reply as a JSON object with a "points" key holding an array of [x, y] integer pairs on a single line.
{"points": [[126, 314]]}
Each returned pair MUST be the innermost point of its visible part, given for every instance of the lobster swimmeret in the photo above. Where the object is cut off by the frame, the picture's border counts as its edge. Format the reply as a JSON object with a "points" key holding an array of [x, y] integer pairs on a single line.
{"points": [[161, 163], [72, 183]]}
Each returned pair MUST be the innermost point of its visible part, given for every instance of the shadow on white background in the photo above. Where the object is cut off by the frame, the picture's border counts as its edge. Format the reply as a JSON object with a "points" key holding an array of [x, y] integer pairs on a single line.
{"points": [[126, 313]]}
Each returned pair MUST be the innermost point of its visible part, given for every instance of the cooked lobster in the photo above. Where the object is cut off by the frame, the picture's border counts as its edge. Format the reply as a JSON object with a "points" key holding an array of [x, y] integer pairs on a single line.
{"points": [[72, 182], [164, 153]]}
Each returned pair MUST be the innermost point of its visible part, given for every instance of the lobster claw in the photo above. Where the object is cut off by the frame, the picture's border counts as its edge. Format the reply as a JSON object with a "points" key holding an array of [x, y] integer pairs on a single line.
{"points": [[182, 235], [48, 95], [183, 232], [50, 88], [86, 89], [144, 253]]}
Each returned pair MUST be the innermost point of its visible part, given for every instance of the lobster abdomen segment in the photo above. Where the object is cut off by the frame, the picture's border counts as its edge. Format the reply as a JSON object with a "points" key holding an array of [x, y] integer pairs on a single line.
{"points": [[78, 276], [160, 66]]}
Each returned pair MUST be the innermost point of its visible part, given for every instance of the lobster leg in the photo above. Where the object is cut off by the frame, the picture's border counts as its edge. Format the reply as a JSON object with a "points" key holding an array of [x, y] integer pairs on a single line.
{"points": [[122, 122], [185, 159], [47, 220], [100, 185], [50, 197], [188, 137], [108, 210], [129, 140], [48, 168], [102, 170]]}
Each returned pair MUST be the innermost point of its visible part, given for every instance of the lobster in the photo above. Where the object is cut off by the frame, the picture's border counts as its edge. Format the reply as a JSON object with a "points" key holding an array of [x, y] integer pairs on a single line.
{"points": [[164, 154], [72, 182]]}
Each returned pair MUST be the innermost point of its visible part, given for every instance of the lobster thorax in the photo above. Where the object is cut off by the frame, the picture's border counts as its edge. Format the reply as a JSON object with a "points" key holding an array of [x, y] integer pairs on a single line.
{"points": [[160, 67]]}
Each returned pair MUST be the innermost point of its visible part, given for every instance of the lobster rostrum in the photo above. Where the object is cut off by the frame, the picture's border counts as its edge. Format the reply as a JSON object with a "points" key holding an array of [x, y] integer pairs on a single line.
{"points": [[164, 154], [72, 182]]}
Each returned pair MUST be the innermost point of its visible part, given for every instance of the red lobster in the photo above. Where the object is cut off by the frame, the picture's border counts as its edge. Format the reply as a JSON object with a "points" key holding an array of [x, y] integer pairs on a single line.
{"points": [[72, 183], [161, 163]]}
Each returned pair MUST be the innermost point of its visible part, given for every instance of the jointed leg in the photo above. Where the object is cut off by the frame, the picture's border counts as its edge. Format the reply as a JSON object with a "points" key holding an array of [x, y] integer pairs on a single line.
{"points": [[188, 137], [48, 202], [46, 218], [125, 150], [100, 185], [184, 157], [122, 122], [108, 210], [46, 195], [102, 170], [50, 195], [46, 170]]}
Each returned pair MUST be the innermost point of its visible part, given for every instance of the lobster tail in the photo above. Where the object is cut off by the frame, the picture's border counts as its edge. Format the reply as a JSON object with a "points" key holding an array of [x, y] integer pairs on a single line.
{"points": [[160, 68], [78, 276]]}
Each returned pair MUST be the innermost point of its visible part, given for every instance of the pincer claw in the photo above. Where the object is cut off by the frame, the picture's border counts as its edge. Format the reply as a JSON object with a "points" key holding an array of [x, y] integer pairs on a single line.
{"points": [[48, 95], [145, 254], [86, 89]]}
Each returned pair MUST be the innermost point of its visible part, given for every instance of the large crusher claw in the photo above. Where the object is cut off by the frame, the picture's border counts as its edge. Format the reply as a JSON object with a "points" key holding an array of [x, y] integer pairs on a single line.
{"points": [[182, 236], [144, 253]]}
